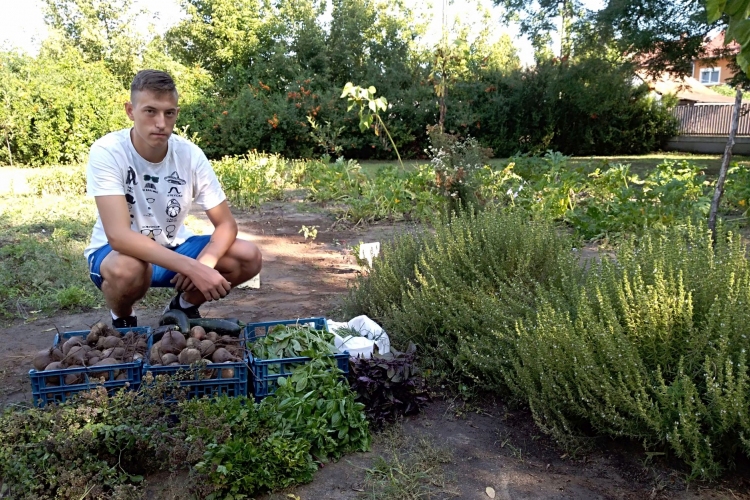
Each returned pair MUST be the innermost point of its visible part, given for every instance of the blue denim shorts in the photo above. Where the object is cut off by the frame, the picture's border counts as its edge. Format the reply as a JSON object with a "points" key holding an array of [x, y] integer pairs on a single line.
{"points": [[161, 276]]}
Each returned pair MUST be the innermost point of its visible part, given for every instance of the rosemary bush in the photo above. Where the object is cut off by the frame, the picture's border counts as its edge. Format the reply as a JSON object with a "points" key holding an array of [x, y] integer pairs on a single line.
{"points": [[654, 349], [649, 344]]}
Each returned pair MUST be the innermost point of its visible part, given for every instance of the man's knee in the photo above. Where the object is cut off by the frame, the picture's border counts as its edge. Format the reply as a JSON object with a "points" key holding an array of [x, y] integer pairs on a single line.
{"points": [[124, 272], [243, 258]]}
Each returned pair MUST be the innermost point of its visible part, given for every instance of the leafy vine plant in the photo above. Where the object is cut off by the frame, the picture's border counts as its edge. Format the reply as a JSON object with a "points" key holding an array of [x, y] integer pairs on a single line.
{"points": [[369, 110]]}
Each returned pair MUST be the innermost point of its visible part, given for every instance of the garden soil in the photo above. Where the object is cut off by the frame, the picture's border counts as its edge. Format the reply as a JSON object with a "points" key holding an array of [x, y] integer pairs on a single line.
{"points": [[488, 443]]}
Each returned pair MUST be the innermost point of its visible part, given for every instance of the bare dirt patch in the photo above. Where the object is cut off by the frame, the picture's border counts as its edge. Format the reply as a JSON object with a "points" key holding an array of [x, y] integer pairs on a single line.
{"points": [[488, 444]]}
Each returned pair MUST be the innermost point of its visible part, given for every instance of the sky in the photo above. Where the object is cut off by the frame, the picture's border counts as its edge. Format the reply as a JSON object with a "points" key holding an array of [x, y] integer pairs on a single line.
{"points": [[22, 24]]}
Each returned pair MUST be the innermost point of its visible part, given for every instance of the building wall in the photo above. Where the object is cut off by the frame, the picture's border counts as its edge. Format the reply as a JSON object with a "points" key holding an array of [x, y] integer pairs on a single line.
{"points": [[724, 73], [708, 144]]}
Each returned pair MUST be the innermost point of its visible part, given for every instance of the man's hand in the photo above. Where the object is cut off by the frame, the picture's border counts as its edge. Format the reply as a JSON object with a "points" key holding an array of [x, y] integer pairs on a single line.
{"points": [[206, 279]]}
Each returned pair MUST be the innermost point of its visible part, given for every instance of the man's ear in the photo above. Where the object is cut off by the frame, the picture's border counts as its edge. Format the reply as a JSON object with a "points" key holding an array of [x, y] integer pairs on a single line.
{"points": [[129, 110]]}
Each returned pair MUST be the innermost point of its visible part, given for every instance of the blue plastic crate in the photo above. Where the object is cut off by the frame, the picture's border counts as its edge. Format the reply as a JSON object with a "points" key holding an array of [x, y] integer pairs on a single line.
{"points": [[266, 372], [43, 392], [198, 385]]}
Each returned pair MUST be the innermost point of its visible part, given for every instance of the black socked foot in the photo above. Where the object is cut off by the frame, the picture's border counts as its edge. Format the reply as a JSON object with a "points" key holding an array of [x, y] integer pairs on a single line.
{"points": [[125, 322], [191, 312]]}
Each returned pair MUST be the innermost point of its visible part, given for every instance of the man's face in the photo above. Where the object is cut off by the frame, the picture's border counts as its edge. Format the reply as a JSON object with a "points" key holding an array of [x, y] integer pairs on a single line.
{"points": [[153, 115]]}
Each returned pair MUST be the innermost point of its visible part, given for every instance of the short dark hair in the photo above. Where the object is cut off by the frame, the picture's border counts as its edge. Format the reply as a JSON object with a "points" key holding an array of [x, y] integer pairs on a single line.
{"points": [[154, 80]]}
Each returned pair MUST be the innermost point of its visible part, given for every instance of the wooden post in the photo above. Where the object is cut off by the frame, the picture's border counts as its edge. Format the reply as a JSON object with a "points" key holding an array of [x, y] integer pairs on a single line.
{"points": [[10, 155], [725, 161]]}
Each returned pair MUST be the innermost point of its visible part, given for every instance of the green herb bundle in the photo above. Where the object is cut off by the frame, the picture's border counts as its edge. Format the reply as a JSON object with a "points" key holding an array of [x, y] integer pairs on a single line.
{"points": [[293, 341]]}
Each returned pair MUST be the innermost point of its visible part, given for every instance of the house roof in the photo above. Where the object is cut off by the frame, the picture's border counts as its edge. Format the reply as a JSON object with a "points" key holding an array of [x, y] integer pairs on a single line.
{"points": [[686, 89], [716, 45]]}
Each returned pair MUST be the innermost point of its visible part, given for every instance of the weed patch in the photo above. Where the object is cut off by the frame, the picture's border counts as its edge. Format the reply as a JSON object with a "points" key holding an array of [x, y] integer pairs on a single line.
{"points": [[411, 468]]}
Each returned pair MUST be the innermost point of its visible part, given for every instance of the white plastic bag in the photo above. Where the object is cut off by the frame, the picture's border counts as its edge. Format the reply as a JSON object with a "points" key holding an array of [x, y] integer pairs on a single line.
{"points": [[371, 335]]}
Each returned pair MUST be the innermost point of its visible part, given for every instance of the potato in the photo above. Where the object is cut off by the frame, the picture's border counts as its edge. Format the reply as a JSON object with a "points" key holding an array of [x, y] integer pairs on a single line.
{"points": [[173, 341], [227, 372], [155, 355], [73, 341], [54, 380], [103, 363], [94, 353], [168, 358], [176, 363], [73, 378], [207, 348], [93, 360], [198, 332], [189, 356], [212, 336], [76, 356], [115, 352], [42, 359], [141, 345], [122, 376], [57, 354], [97, 331], [221, 355], [128, 337], [192, 343], [110, 342]]}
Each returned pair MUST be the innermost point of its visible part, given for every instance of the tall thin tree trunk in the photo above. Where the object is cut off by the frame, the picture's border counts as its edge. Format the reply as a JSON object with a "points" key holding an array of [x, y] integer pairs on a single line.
{"points": [[725, 161], [10, 155]]}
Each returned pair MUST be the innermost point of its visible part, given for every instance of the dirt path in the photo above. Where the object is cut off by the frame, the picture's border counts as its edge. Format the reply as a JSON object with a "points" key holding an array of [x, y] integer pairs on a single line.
{"points": [[487, 445]]}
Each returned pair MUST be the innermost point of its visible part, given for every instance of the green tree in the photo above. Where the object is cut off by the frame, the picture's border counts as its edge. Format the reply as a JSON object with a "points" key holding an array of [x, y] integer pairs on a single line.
{"points": [[305, 35], [103, 30], [217, 34], [58, 104]]}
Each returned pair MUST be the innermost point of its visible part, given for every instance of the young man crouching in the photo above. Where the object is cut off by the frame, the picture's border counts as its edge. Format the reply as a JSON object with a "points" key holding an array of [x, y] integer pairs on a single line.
{"points": [[144, 180]]}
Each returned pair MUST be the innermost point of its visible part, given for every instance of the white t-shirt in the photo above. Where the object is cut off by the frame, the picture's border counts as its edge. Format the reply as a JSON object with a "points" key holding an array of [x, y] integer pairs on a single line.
{"points": [[159, 195]]}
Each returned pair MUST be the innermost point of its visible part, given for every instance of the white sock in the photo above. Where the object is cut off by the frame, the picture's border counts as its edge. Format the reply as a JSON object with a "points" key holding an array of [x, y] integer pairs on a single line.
{"points": [[184, 303], [114, 316]]}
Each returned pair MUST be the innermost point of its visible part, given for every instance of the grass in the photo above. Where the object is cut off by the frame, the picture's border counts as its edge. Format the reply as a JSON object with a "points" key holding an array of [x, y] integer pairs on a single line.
{"points": [[42, 268], [640, 165], [412, 468], [42, 238]]}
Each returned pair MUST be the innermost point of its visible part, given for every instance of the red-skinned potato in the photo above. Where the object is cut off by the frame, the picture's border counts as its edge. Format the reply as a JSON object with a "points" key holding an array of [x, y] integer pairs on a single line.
{"points": [[168, 358], [42, 359], [198, 332], [221, 355], [173, 341], [73, 341], [154, 356], [189, 356]]}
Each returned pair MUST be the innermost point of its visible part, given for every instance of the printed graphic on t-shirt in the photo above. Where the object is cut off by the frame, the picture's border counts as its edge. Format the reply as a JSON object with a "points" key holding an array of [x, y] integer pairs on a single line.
{"points": [[150, 200], [173, 208], [170, 231], [131, 201], [151, 188], [151, 231], [174, 192], [174, 178], [131, 178]]}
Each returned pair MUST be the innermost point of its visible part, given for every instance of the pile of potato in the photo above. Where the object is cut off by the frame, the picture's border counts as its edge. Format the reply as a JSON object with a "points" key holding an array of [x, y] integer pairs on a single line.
{"points": [[103, 346], [174, 350]]}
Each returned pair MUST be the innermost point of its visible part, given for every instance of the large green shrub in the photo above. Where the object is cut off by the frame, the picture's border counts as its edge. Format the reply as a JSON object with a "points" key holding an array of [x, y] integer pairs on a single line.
{"points": [[649, 344], [57, 105], [587, 107]]}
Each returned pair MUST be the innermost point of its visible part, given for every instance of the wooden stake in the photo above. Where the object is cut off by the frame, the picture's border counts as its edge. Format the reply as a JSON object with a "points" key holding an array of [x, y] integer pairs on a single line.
{"points": [[725, 161]]}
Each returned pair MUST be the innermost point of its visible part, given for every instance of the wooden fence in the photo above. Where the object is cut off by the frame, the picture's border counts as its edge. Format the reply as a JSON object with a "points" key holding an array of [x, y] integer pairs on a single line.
{"points": [[710, 119]]}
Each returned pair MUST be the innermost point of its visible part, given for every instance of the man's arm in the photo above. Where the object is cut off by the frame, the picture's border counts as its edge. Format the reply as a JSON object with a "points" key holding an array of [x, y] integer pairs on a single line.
{"points": [[115, 216], [225, 232]]}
